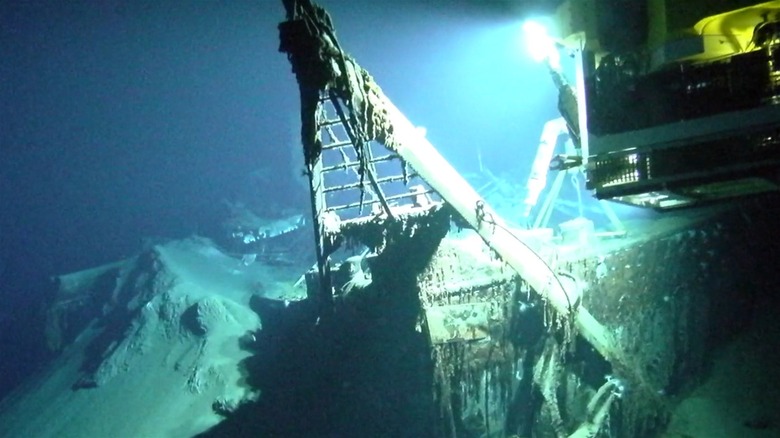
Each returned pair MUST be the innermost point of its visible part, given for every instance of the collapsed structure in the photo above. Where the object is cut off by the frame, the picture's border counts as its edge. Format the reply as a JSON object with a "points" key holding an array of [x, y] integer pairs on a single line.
{"points": [[377, 181], [426, 315]]}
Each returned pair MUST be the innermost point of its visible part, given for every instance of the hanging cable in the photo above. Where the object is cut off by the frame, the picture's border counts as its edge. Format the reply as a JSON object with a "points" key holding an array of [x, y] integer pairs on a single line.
{"points": [[487, 217]]}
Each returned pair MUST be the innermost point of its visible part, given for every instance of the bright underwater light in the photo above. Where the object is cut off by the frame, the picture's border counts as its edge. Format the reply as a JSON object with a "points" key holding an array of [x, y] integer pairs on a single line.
{"points": [[540, 44]]}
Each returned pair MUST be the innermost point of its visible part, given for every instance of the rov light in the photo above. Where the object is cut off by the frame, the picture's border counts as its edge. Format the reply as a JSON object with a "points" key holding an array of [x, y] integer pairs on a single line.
{"points": [[540, 44]]}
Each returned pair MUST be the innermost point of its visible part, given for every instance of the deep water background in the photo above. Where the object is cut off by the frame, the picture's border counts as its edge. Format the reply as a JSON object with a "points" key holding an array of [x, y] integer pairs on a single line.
{"points": [[126, 120]]}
